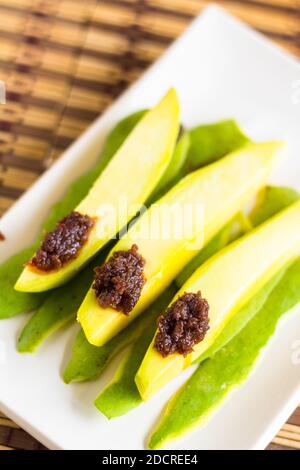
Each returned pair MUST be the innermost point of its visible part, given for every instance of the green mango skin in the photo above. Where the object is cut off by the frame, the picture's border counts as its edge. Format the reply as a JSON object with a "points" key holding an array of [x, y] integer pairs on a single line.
{"points": [[215, 378], [88, 361], [14, 303], [210, 142], [273, 200], [121, 394]]}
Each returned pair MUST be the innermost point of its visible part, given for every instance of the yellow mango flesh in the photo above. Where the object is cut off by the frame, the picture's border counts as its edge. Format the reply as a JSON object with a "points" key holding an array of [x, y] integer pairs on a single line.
{"points": [[215, 194], [228, 280], [126, 183]]}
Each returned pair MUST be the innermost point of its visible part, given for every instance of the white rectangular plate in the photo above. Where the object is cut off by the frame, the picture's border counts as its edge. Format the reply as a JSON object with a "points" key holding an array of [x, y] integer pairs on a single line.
{"points": [[220, 69]]}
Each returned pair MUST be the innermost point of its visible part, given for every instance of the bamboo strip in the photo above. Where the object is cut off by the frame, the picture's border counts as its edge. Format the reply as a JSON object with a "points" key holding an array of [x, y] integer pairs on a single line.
{"points": [[12, 21], [60, 64], [72, 35], [5, 141], [22, 4], [292, 428], [114, 15], [5, 202], [261, 18], [8, 50], [38, 28], [192, 7], [8, 423], [5, 448], [69, 10], [39, 117], [50, 89], [95, 69], [30, 147], [29, 55], [12, 112], [79, 11], [71, 127], [148, 50], [37, 145], [277, 23], [58, 61], [106, 41], [162, 25], [17, 178], [41, 87], [286, 442], [292, 4], [287, 45], [289, 435], [86, 99]]}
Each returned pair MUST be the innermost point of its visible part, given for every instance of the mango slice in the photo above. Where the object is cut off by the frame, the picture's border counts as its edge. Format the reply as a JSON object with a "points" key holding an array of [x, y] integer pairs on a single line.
{"points": [[131, 176], [228, 280], [208, 387], [220, 190]]}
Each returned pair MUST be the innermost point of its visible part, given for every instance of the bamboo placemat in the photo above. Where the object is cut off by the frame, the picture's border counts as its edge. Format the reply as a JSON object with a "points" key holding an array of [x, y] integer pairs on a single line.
{"points": [[64, 61]]}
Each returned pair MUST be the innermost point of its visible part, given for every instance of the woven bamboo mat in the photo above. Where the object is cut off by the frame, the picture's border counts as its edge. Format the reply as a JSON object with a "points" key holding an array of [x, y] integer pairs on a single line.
{"points": [[64, 61]]}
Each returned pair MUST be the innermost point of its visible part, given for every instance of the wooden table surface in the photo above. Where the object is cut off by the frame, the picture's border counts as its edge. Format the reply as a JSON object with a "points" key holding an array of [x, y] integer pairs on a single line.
{"points": [[64, 61]]}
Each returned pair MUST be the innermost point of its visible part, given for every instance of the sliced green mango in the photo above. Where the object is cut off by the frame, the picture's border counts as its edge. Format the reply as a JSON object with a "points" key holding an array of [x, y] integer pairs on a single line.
{"points": [[130, 176], [209, 385], [244, 315], [218, 242], [228, 280], [219, 191], [88, 361], [12, 302]]}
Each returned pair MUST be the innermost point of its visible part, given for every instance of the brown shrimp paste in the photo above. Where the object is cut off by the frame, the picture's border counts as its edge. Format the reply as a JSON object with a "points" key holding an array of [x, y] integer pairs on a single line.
{"points": [[184, 324], [63, 243], [119, 282]]}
